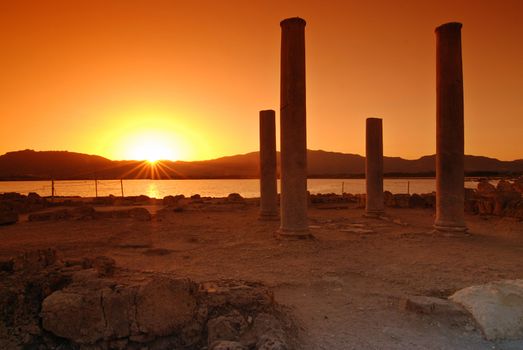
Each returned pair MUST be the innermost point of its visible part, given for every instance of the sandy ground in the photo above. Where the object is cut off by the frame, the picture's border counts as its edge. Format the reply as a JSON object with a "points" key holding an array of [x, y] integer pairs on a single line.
{"points": [[345, 287]]}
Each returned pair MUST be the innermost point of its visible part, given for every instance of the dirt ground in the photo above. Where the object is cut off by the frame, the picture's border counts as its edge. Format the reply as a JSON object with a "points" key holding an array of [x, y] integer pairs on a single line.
{"points": [[345, 287]]}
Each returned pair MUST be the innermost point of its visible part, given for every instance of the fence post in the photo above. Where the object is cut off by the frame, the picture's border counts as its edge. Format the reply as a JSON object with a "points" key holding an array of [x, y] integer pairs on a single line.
{"points": [[408, 187], [121, 186], [52, 189], [342, 187], [96, 187]]}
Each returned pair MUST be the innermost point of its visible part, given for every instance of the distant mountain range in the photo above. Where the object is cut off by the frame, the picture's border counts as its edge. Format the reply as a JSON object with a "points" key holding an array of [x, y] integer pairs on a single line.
{"points": [[32, 165]]}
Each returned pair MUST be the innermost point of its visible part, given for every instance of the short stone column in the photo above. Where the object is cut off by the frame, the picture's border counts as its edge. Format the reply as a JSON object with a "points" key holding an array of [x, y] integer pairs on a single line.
{"points": [[374, 203], [293, 203], [268, 184], [450, 193]]}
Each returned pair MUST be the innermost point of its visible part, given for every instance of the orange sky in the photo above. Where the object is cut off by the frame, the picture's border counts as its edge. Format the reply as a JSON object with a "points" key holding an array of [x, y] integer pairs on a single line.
{"points": [[109, 77]]}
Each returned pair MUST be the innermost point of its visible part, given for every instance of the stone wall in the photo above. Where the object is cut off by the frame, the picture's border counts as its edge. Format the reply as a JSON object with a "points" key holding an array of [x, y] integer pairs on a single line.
{"points": [[91, 304]]}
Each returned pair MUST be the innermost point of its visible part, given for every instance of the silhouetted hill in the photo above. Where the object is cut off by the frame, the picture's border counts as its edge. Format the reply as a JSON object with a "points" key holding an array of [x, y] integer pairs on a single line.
{"points": [[28, 164]]}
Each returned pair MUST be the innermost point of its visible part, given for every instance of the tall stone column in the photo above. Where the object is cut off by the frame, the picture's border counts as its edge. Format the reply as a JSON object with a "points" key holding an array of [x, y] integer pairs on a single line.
{"points": [[450, 194], [374, 204], [268, 184], [293, 201]]}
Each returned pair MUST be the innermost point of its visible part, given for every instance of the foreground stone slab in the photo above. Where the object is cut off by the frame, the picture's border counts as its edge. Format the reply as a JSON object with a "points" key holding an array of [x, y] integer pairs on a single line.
{"points": [[86, 303], [497, 307]]}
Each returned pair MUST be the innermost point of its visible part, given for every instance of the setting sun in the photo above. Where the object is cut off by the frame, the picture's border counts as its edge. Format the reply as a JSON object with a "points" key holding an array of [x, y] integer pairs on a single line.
{"points": [[151, 146]]}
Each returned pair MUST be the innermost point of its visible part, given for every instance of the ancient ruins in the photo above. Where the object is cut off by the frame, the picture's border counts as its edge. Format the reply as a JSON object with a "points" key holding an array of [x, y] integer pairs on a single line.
{"points": [[450, 171], [374, 167], [293, 202], [268, 182]]}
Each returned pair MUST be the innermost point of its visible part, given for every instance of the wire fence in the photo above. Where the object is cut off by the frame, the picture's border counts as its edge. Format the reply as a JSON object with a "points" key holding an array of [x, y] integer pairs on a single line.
{"points": [[212, 188]]}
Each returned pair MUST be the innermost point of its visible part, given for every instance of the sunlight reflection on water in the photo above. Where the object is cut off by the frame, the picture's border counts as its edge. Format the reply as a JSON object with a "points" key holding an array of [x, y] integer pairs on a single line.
{"points": [[152, 191]]}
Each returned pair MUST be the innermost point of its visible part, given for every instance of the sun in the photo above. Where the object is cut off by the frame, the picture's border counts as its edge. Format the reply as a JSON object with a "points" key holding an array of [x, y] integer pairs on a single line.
{"points": [[151, 146]]}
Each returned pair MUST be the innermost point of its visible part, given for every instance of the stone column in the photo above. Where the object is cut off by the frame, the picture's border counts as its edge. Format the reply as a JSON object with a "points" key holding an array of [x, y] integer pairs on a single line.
{"points": [[374, 204], [450, 194], [268, 184], [293, 201]]}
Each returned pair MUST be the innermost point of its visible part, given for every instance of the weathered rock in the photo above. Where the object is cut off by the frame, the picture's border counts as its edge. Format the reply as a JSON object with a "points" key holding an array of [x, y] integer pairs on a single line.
{"points": [[196, 198], [486, 189], [169, 201], [504, 186], [416, 201], [88, 312], [12, 196], [104, 265], [226, 345], [21, 294], [228, 327], [76, 315], [269, 332], [49, 305], [118, 305], [471, 202], [518, 211], [505, 200], [430, 199], [497, 307], [518, 185], [21, 204], [268, 342], [470, 194], [485, 206], [248, 296], [164, 305], [235, 197], [401, 200]]}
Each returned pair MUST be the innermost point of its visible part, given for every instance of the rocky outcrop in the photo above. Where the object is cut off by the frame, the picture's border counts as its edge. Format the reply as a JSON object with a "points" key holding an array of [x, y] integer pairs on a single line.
{"points": [[226, 327], [497, 308], [173, 201], [505, 199], [46, 303], [88, 312], [12, 204], [25, 281], [235, 197]]}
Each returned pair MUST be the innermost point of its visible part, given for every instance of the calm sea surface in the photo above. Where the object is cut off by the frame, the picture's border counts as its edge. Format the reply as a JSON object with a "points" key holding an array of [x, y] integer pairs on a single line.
{"points": [[212, 188]]}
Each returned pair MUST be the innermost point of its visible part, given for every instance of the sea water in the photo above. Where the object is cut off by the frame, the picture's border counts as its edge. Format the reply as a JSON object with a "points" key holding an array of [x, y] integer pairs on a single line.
{"points": [[211, 188]]}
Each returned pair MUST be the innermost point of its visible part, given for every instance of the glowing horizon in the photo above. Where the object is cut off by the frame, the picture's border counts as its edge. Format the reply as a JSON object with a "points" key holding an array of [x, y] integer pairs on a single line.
{"points": [[181, 81]]}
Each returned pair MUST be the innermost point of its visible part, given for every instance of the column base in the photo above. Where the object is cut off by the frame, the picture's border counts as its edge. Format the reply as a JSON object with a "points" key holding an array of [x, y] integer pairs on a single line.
{"points": [[294, 234], [450, 228]]}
